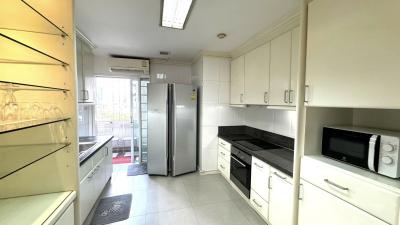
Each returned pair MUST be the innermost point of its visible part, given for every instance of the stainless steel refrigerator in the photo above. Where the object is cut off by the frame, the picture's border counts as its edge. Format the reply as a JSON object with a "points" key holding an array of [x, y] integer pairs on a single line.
{"points": [[172, 115]]}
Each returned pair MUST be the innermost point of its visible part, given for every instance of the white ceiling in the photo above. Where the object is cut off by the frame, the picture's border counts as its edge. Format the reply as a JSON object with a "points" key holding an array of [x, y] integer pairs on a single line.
{"points": [[131, 27]]}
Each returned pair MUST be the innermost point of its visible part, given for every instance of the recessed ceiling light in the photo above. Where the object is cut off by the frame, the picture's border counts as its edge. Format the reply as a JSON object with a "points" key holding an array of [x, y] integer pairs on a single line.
{"points": [[221, 35], [174, 13]]}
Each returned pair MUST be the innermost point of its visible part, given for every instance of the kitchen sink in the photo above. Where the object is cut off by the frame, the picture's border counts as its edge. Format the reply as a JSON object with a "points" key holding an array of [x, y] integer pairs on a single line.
{"points": [[83, 146]]}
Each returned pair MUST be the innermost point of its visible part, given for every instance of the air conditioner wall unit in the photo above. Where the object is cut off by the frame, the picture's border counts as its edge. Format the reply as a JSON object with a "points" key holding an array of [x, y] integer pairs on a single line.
{"points": [[129, 65]]}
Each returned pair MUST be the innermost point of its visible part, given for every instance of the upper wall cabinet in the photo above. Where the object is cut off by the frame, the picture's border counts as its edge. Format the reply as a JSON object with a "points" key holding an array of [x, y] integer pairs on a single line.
{"points": [[283, 76], [353, 53], [237, 81], [85, 72], [256, 81]]}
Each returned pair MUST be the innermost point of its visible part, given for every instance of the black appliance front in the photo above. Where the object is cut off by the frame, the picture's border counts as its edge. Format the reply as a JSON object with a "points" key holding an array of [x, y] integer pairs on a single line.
{"points": [[241, 170], [348, 146]]}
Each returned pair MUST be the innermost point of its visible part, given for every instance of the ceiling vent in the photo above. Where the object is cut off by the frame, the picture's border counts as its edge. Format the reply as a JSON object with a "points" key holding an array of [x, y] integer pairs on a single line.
{"points": [[129, 65], [164, 53]]}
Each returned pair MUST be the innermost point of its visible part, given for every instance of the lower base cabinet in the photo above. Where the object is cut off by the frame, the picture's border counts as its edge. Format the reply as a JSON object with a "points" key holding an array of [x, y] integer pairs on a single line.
{"points": [[280, 199], [318, 207], [67, 218], [259, 204]]}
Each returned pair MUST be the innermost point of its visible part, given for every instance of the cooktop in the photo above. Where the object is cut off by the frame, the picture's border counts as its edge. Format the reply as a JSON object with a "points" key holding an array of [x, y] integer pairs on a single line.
{"points": [[256, 144]]}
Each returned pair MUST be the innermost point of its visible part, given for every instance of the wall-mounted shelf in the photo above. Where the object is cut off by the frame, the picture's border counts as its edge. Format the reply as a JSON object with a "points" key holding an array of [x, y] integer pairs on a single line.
{"points": [[11, 52], [5, 85], [33, 21], [27, 155], [20, 125]]}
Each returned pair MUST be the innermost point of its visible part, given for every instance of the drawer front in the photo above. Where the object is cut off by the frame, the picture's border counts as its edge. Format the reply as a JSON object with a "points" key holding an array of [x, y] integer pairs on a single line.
{"points": [[85, 168], [99, 155], [380, 202], [224, 144], [259, 204], [224, 168], [260, 178], [224, 154]]}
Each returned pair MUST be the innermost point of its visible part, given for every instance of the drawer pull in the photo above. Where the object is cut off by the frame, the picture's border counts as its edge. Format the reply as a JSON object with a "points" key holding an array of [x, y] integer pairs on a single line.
{"points": [[222, 153], [261, 167], [336, 185], [269, 182], [223, 167], [280, 176], [257, 204], [222, 143]]}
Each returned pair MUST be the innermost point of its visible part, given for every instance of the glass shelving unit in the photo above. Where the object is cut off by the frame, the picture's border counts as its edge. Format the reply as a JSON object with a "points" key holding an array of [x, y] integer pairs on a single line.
{"points": [[42, 24], [27, 155]]}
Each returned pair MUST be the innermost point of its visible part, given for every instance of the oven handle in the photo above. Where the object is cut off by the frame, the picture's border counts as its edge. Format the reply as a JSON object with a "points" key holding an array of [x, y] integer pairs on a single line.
{"points": [[237, 160], [371, 152]]}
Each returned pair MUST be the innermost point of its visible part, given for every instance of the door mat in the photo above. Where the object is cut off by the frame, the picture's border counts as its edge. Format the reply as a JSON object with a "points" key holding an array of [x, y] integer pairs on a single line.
{"points": [[137, 169], [112, 209]]}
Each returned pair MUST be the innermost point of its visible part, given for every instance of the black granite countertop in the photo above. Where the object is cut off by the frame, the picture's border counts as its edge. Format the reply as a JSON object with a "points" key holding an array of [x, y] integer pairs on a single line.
{"points": [[280, 157], [88, 146]]}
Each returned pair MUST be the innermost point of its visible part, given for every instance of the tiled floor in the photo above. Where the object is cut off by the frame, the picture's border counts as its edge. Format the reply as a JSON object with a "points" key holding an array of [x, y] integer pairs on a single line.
{"points": [[191, 199]]}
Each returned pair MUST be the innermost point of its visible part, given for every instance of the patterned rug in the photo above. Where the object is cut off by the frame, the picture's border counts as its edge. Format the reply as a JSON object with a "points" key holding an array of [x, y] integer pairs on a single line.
{"points": [[137, 169], [112, 209]]}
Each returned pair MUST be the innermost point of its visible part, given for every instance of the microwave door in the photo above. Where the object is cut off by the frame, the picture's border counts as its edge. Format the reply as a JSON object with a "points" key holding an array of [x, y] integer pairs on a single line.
{"points": [[373, 153]]}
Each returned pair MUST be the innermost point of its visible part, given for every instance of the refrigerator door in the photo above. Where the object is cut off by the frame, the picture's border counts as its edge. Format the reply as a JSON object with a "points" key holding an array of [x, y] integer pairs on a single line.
{"points": [[157, 97], [183, 129]]}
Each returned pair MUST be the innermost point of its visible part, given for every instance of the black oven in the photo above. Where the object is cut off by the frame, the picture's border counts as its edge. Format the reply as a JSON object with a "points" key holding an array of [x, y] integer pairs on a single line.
{"points": [[241, 170]]}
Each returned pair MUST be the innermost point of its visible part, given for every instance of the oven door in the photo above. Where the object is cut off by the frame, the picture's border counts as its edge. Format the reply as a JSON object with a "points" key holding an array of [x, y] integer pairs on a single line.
{"points": [[360, 149], [241, 175]]}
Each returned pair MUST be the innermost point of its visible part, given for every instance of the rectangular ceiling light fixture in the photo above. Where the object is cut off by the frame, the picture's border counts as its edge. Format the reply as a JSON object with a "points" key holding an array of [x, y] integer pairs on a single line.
{"points": [[175, 13]]}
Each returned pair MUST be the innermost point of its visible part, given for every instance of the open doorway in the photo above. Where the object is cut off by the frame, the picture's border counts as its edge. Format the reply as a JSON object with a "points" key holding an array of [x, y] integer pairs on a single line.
{"points": [[121, 111]]}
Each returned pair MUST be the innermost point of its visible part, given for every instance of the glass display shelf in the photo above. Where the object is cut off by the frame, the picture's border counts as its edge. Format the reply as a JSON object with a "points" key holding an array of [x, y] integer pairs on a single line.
{"points": [[6, 127], [11, 52], [5, 85], [32, 21], [17, 157]]}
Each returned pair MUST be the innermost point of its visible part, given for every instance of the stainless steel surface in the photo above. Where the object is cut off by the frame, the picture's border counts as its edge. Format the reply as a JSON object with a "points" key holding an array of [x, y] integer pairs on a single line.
{"points": [[336, 185], [157, 163], [234, 158], [184, 109], [89, 144]]}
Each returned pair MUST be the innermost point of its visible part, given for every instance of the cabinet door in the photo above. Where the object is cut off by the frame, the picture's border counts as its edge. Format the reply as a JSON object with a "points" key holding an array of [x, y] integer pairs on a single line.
{"points": [[87, 196], [237, 81], [319, 207], [88, 73], [280, 202], [280, 69], [257, 75], [108, 161], [99, 178], [79, 69], [353, 53], [260, 176], [67, 218], [294, 68]]}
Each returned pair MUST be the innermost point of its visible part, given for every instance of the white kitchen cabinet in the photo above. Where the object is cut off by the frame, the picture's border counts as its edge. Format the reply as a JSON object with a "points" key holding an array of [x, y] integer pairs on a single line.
{"points": [[260, 176], [67, 218], [87, 196], [294, 68], [284, 68], [237, 81], [259, 204], [318, 207], [85, 72], [353, 54], [108, 161], [280, 69], [256, 81], [280, 198]]}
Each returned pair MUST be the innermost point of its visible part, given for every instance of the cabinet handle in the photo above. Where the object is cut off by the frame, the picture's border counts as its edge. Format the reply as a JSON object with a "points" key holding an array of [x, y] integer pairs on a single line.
{"points": [[285, 96], [266, 97], [291, 96], [86, 95], [280, 176], [306, 94], [269, 182], [106, 151], [258, 166], [222, 143], [223, 167], [222, 153], [241, 98], [257, 204], [336, 185]]}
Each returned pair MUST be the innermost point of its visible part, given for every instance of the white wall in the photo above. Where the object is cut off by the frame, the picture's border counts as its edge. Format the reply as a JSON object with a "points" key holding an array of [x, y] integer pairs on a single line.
{"points": [[273, 120], [175, 73], [212, 76]]}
